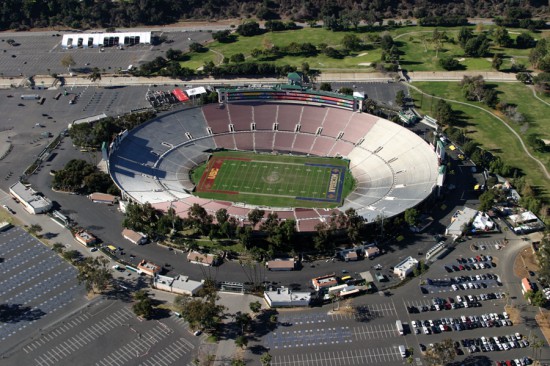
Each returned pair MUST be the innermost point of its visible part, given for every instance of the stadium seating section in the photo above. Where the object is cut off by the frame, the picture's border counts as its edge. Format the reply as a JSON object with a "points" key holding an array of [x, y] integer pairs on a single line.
{"points": [[395, 169]]}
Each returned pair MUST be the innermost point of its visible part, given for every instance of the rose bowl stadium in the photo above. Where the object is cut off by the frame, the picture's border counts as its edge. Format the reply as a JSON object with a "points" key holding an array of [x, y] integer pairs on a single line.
{"points": [[393, 168]]}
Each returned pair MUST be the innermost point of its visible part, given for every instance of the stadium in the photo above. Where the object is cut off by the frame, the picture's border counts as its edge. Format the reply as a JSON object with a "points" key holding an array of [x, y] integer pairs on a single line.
{"points": [[393, 169]]}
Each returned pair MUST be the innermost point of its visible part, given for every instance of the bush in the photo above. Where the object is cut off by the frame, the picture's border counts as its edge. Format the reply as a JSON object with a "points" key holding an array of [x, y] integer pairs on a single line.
{"points": [[449, 63]]}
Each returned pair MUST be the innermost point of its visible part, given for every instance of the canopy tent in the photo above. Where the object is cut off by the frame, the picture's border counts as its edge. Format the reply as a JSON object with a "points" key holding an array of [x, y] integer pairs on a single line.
{"points": [[180, 95], [196, 91]]}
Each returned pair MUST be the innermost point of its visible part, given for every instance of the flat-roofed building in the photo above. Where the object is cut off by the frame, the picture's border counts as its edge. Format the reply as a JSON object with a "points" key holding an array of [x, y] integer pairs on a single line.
{"points": [[281, 264], [324, 281], [180, 284], [285, 297], [5, 226], [351, 256], [405, 267], [85, 238], [148, 268], [372, 252], [30, 199], [102, 198], [90, 40], [204, 259], [134, 236]]}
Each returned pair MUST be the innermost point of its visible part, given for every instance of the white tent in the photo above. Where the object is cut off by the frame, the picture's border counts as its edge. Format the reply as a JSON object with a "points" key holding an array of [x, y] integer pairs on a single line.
{"points": [[195, 91]]}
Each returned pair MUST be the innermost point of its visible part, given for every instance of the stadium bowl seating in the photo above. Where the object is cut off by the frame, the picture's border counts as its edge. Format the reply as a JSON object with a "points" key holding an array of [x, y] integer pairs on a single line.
{"points": [[395, 169]]}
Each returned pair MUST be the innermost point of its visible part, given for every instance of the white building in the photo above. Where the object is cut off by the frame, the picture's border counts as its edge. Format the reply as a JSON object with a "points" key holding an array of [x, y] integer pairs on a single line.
{"points": [[90, 40], [29, 198], [405, 267], [134, 236], [285, 297], [460, 218], [180, 285]]}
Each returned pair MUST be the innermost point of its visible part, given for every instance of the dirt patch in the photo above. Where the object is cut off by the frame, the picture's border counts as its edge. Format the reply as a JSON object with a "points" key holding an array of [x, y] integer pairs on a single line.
{"points": [[543, 320], [365, 64], [362, 54], [514, 313], [525, 262], [461, 59]]}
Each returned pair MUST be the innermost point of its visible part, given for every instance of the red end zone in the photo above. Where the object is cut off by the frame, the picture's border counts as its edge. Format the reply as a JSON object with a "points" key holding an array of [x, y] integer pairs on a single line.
{"points": [[211, 172]]}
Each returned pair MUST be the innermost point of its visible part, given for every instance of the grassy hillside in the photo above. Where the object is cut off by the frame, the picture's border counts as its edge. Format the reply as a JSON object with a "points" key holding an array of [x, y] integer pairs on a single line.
{"points": [[490, 132]]}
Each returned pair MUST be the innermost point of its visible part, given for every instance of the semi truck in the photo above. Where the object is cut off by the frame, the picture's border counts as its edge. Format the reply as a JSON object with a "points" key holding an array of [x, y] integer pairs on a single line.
{"points": [[399, 326]]}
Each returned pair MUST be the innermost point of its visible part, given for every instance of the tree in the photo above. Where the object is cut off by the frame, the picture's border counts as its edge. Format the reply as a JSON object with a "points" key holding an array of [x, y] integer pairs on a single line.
{"points": [[95, 274], [325, 87], [255, 215], [249, 28], [525, 40], [477, 46], [265, 359], [449, 63], [386, 42], [255, 306], [400, 98], [486, 200], [143, 306], [345, 91], [502, 38], [473, 87], [223, 36], [238, 362], [197, 47], [199, 313], [95, 75], [464, 36], [68, 62], [238, 57], [536, 143], [71, 255], [412, 216], [539, 53], [441, 353], [443, 112], [34, 229], [352, 42], [58, 247], [497, 61]]}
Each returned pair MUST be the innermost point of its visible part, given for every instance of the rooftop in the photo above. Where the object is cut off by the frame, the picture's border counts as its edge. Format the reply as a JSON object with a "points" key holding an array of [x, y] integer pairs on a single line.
{"points": [[406, 263], [30, 196], [284, 294]]}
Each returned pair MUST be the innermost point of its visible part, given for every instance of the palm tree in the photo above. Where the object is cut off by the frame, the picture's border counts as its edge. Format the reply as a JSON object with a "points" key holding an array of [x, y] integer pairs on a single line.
{"points": [[34, 229], [95, 75]]}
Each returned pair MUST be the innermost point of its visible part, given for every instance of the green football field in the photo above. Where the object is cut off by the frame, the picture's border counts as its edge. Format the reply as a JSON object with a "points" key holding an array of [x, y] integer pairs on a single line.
{"points": [[274, 180]]}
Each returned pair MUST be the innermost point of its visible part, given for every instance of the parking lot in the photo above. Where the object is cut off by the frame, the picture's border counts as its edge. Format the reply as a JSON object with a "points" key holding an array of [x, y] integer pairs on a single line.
{"points": [[111, 326], [364, 356], [472, 316], [41, 53], [37, 286]]}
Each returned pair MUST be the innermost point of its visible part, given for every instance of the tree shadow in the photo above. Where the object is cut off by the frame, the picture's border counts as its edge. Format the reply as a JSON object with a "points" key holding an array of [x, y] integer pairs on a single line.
{"points": [[262, 324], [14, 313]]}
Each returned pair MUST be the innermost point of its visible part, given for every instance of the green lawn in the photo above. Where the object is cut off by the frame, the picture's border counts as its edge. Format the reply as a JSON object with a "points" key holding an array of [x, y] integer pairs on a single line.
{"points": [[418, 53], [275, 180], [490, 132]]}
